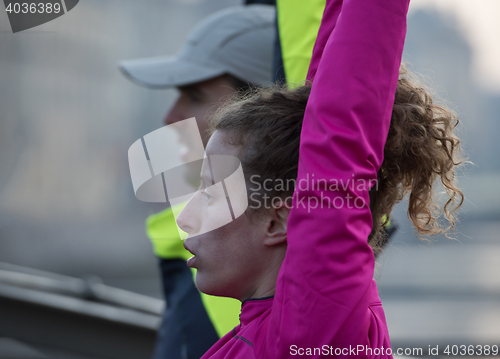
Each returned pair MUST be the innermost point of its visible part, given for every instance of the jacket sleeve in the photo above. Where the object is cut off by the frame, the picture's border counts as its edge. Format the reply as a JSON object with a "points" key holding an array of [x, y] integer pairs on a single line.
{"points": [[323, 289]]}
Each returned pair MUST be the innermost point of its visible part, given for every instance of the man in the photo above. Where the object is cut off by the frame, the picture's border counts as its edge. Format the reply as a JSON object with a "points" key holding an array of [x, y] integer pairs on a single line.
{"points": [[229, 51]]}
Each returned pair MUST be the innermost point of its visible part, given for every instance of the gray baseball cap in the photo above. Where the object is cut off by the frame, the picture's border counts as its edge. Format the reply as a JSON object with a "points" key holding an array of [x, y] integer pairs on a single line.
{"points": [[236, 41]]}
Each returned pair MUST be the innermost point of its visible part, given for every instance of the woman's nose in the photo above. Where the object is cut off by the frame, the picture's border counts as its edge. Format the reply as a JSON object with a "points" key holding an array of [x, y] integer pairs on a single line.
{"points": [[188, 219]]}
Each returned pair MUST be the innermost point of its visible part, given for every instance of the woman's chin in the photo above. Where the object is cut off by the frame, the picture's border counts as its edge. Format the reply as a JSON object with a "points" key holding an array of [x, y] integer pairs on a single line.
{"points": [[210, 287], [202, 284]]}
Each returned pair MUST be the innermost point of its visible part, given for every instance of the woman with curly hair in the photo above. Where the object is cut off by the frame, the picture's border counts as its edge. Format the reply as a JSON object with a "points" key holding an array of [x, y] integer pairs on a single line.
{"points": [[334, 158]]}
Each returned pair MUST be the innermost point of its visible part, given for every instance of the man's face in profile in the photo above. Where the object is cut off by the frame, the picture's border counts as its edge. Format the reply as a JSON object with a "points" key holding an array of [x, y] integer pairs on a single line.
{"points": [[199, 100]]}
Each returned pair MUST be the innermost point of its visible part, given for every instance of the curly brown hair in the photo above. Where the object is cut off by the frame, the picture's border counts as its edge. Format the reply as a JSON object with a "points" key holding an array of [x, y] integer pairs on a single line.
{"points": [[421, 147]]}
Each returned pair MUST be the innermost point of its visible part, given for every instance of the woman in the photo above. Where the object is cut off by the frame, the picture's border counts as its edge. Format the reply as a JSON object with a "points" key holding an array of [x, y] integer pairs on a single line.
{"points": [[303, 267]]}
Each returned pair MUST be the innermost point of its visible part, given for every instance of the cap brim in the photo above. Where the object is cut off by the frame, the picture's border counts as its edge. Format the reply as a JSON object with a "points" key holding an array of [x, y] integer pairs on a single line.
{"points": [[166, 72]]}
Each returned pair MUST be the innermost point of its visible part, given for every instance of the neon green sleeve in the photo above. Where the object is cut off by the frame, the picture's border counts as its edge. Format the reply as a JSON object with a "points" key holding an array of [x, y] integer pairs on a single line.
{"points": [[298, 23]]}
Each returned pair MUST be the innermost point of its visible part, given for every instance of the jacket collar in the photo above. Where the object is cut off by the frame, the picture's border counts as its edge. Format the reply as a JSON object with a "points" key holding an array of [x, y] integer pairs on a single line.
{"points": [[253, 308]]}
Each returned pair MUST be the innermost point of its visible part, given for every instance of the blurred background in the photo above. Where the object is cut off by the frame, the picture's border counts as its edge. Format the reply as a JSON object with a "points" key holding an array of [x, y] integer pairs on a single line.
{"points": [[68, 117]]}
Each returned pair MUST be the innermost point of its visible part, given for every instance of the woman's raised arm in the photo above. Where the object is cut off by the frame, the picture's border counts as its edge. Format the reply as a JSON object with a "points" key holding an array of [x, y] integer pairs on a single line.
{"points": [[325, 293]]}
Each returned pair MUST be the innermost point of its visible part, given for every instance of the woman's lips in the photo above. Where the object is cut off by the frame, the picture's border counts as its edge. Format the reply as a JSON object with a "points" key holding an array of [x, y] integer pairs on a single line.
{"points": [[191, 262]]}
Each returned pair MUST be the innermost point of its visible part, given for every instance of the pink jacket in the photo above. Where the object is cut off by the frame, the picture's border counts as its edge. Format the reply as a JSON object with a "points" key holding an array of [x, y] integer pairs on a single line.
{"points": [[326, 302]]}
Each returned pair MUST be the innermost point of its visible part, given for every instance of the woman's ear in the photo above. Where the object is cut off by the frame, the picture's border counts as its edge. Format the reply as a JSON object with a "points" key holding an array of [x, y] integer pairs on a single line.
{"points": [[276, 230]]}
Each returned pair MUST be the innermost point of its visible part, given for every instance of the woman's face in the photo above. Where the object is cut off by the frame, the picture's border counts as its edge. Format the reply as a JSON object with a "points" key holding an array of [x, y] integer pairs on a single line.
{"points": [[229, 250]]}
